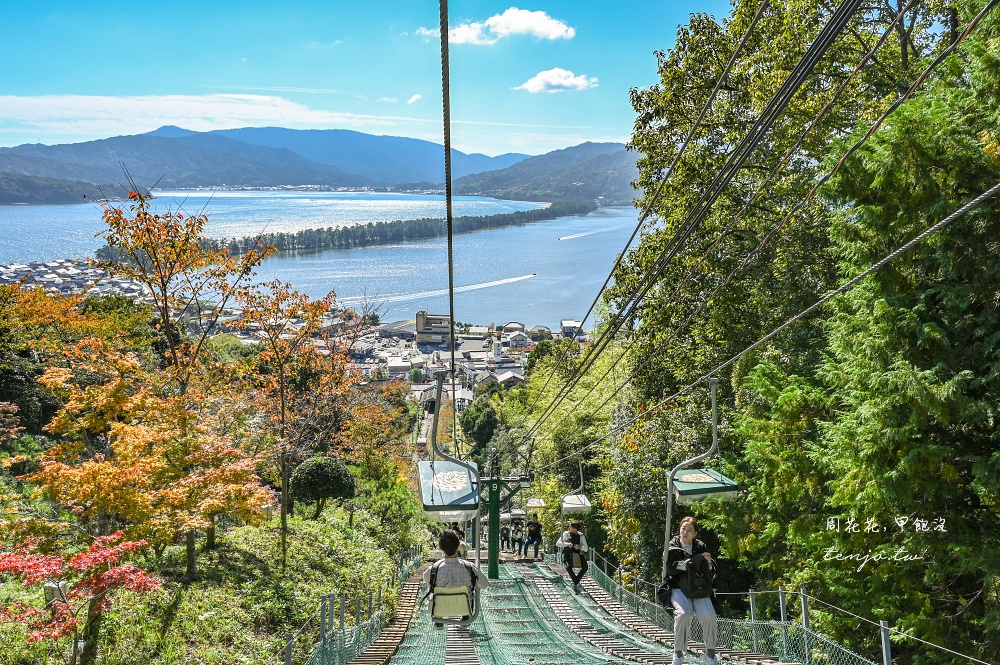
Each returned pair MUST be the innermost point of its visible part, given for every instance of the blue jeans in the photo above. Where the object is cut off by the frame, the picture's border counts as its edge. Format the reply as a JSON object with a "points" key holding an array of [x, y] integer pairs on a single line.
{"points": [[536, 540]]}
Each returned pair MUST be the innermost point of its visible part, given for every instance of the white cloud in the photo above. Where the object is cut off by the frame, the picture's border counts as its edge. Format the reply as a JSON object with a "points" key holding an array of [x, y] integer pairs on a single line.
{"points": [[513, 21], [100, 116], [516, 21], [414, 99], [389, 100], [557, 80]]}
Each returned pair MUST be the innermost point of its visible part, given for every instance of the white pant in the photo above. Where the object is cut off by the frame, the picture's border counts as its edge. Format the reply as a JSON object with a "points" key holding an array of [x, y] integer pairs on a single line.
{"points": [[684, 608]]}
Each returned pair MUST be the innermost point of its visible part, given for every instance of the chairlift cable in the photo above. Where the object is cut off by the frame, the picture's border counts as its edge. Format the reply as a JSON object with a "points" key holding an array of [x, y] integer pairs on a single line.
{"points": [[788, 154], [974, 203], [878, 123], [674, 333], [647, 211], [736, 159], [448, 194]]}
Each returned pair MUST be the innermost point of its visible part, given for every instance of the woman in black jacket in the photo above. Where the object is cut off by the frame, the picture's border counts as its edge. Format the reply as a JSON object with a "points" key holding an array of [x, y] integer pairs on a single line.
{"points": [[690, 572]]}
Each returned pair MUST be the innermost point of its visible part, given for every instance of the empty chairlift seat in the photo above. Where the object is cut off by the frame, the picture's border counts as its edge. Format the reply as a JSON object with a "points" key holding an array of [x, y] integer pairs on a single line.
{"points": [[448, 491], [575, 504]]}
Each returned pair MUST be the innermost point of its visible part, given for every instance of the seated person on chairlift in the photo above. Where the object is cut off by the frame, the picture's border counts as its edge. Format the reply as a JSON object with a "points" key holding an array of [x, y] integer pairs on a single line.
{"points": [[451, 572], [517, 537], [574, 549], [463, 545]]}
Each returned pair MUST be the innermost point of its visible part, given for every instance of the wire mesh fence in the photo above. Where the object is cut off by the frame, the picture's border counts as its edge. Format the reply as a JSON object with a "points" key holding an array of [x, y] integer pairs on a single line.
{"points": [[340, 643], [783, 640], [342, 646]]}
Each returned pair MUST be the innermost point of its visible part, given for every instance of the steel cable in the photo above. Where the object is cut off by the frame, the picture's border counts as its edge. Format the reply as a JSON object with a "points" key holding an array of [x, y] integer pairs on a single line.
{"points": [[819, 303], [734, 162]]}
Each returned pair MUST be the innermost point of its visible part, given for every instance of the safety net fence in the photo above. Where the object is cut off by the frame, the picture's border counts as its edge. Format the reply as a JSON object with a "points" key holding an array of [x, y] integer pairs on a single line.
{"points": [[341, 644], [786, 641]]}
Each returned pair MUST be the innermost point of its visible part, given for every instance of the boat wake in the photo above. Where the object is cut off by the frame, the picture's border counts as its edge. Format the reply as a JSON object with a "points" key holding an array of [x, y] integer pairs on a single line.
{"points": [[580, 235], [433, 293]]}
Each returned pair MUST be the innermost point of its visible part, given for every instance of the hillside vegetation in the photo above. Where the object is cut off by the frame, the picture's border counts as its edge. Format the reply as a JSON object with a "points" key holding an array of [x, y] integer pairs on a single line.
{"points": [[864, 436], [589, 171], [154, 466]]}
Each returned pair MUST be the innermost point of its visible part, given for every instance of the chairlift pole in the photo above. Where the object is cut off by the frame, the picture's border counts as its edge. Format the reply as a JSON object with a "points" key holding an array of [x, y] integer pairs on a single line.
{"points": [[493, 535], [713, 384]]}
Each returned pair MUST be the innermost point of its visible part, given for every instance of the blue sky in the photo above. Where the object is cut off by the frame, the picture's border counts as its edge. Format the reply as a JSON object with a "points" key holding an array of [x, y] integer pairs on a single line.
{"points": [[525, 76]]}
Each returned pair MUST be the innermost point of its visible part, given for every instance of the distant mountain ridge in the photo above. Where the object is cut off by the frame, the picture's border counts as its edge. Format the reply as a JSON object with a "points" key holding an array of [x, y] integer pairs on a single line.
{"points": [[386, 159], [175, 158], [589, 171]]}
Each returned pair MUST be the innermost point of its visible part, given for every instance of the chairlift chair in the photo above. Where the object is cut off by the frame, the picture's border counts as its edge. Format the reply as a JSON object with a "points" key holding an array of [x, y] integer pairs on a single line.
{"points": [[458, 606], [576, 502], [455, 605]]}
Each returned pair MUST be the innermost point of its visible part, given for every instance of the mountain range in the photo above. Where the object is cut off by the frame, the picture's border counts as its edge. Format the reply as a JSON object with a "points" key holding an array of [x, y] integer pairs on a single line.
{"points": [[175, 158]]}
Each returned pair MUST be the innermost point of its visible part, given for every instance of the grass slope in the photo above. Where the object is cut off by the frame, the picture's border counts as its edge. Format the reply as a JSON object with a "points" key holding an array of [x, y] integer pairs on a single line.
{"points": [[240, 607]]}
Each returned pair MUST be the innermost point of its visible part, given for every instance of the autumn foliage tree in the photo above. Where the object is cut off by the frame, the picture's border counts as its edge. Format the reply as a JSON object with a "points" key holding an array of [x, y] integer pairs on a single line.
{"points": [[286, 323], [140, 448], [82, 585]]}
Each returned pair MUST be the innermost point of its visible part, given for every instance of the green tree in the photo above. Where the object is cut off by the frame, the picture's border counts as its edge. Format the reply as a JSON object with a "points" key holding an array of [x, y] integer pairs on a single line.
{"points": [[322, 478]]}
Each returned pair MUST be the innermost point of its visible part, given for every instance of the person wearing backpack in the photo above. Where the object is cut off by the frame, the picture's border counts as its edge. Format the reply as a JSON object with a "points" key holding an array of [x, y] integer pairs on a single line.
{"points": [[688, 588], [452, 572], [574, 550]]}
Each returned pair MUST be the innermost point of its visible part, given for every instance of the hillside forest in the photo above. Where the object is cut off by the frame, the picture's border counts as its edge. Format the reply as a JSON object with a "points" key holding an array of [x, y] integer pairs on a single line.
{"points": [[864, 436], [197, 495], [138, 451]]}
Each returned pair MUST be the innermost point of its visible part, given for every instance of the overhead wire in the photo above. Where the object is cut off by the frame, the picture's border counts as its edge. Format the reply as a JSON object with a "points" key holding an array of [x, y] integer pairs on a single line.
{"points": [[651, 204], [696, 216], [449, 209], [878, 123], [760, 188], [974, 203], [909, 92]]}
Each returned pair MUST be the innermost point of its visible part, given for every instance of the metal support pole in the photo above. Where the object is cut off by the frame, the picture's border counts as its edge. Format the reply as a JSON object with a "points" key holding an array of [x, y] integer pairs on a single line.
{"points": [[886, 644], [289, 643], [322, 619], [329, 617], [783, 608], [803, 596], [357, 610], [753, 620], [343, 605], [713, 384], [371, 603], [378, 603], [493, 536]]}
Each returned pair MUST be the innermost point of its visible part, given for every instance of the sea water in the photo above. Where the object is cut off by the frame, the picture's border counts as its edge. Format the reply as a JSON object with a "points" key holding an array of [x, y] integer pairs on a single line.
{"points": [[536, 273]]}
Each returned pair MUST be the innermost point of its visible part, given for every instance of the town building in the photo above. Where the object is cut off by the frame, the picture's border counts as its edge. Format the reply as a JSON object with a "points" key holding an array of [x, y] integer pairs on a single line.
{"points": [[570, 328], [433, 328]]}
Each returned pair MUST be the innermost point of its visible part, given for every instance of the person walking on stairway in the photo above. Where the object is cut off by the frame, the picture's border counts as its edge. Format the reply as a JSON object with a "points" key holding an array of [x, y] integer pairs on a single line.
{"points": [[504, 537], [688, 588], [574, 550]]}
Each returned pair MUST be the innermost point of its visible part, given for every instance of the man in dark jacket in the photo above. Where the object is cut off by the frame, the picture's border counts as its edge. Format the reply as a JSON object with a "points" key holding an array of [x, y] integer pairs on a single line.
{"points": [[688, 588], [534, 530]]}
